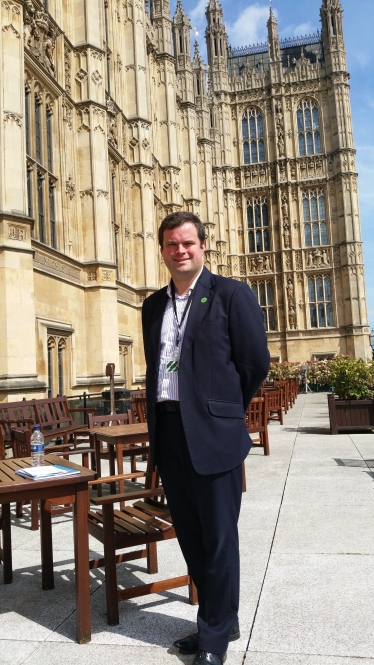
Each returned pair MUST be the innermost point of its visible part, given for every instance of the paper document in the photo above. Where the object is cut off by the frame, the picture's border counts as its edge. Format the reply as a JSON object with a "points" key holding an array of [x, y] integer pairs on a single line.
{"points": [[49, 471]]}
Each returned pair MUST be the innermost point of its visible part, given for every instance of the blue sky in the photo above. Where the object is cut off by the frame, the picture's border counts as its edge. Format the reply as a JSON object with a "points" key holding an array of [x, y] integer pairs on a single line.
{"points": [[246, 24]]}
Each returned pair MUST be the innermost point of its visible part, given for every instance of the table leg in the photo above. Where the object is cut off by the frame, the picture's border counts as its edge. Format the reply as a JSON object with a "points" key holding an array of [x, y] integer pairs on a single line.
{"points": [[82, 573], [46, 544], [112, 469], [121, 484], [96, 445], [7, 544]]}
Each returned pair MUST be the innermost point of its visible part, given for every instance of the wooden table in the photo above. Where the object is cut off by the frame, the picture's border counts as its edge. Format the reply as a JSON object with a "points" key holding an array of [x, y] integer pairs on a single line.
{"points": [[118, 438], [73, 489]]}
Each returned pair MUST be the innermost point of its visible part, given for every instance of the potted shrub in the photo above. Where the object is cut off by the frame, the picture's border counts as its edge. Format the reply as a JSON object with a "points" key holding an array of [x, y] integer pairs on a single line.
{"points": [[319, 375], [352, 405]]}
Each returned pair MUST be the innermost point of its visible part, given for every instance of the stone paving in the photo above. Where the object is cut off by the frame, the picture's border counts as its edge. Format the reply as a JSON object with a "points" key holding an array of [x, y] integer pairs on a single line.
{"points": [[307, 568]]}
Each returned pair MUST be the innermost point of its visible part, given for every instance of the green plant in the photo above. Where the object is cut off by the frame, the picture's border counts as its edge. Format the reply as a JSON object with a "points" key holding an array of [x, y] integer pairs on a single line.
{"points": [[284, 371], [351, 377], [319, 372]]}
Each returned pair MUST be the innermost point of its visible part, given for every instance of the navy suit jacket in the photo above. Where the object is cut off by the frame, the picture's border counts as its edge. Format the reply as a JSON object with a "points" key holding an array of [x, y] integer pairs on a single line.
{"points": [[224, 359]]}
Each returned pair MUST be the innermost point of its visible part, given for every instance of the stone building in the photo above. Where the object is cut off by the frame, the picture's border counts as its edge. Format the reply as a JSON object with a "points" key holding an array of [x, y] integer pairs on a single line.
{"points": [[108, 123]]}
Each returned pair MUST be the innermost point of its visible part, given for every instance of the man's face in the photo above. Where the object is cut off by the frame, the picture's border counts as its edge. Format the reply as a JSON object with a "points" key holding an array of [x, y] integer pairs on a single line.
{"points": [[182, 251]]}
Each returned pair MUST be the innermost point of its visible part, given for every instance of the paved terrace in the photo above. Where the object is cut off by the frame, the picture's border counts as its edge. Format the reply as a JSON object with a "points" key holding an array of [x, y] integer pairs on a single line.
{"points": [[307, 547]]}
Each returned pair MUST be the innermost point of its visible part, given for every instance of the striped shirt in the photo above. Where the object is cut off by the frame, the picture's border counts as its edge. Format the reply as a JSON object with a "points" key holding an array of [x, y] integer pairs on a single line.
{"points": [[167, 386]]}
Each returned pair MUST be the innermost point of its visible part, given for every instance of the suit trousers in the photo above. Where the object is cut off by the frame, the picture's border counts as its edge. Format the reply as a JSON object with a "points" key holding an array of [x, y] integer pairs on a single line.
{"points": [[205, 511]]}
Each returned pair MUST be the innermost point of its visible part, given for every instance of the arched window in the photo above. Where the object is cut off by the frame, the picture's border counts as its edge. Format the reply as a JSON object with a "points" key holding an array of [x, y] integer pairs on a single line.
{"points": [[253, 137], [320, 302], [60, 358], [308, 128], [258, 224], [51, 346], [263, 292], [314, 211]]}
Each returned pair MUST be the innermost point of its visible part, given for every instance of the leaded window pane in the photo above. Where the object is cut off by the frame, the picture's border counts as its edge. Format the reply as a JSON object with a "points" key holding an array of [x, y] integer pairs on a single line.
{"points": [[308, 235], [266, 240], [313, 208], [306, 210], [300, 122], [330, 319], [262, 294], [315, 234], [254, 290], [321, 316], [313, 316], [265, 220], [308, 119], [250, 217], [258, 241], [271, 318], [324, 234], [246, 152], [319, 285], [254, 152], [257, 216], [315, 118], [270, 293], [322, 209], [327, 288], [251, 241], [265, 319], [312, 291], [309, 143], [317, 141], [260, 126], [252, 127], [27, 120], [261, 149], [302, 149], [245, 128]]}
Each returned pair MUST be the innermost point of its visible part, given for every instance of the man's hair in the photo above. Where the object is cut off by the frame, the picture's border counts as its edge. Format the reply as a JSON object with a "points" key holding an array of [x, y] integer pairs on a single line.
{"points": [[177, 219]]}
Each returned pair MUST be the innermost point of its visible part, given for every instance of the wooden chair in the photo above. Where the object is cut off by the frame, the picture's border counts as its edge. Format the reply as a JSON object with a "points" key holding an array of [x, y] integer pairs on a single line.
{"points": [[2, 443], [274, 400], [18, 415], [105, 421], [256, 422], [55, 418], [144, 522]]}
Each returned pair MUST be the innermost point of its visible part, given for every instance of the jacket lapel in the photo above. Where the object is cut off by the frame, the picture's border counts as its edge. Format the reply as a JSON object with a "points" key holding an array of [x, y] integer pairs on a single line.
{"points": [[199, 309], [156, 325]]}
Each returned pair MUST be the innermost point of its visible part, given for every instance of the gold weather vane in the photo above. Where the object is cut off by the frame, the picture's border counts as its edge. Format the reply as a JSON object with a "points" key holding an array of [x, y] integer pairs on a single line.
{"points": [[196, 33]]}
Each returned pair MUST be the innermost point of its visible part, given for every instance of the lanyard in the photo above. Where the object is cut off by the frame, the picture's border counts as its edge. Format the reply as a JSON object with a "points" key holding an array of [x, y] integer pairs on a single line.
{"points": [[179, 325]]}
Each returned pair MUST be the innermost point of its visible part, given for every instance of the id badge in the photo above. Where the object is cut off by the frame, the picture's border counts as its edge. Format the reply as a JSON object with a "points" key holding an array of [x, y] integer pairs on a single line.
{"points": [[172, 364]]}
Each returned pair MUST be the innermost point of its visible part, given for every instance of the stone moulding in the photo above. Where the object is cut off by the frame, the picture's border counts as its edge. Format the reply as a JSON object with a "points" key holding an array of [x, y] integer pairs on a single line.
{"points": [[56, 267]]}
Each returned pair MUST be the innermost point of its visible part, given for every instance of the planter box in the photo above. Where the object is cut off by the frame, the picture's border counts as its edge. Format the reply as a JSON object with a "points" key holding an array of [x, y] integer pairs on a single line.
{"points": [[350, 414]]}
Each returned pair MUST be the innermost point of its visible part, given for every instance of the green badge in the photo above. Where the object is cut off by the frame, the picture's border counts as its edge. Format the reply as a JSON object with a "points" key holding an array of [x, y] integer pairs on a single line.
{"points": [[204, 299]]}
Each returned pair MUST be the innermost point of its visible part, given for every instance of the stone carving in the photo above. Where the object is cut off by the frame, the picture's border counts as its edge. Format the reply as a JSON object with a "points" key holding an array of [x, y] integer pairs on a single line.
{"points": [[134, 142], [242, 266], [112, 124], [145, 144], [279, 124], [298, 261], [86, 192], [260, 264], [91, 276], [103, 192], [311, 168], [40, 35], [317, 258], [16, 117], [107, 275], [16, 232], [337, 261], [255, 175], [67, 67], [70, 187], [285, 222], [96, 77], [81, 75], [292, 317]]}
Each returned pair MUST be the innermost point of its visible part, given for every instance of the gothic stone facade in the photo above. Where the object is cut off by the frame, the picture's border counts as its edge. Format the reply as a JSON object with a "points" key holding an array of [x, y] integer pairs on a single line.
{"points": [[108, 123]]}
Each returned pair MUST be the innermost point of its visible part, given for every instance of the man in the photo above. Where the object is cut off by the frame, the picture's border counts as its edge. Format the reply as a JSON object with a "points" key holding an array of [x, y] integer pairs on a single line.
{"points": [[206, 354]]}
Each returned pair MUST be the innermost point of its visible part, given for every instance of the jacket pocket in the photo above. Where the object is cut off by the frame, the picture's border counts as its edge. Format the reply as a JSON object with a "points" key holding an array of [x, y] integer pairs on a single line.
{"points": [[224, 409]]}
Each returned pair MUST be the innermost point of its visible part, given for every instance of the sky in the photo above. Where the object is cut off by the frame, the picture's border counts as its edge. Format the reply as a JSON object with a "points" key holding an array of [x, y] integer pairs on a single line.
{"points": [[246, 24]]}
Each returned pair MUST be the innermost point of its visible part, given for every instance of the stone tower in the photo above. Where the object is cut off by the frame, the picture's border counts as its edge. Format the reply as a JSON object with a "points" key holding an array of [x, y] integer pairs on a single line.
{"points": [[110, 123]]}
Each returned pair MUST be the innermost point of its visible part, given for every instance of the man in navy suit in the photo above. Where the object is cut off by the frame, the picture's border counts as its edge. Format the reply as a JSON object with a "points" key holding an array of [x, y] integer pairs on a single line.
{"points": [[206, 353]]}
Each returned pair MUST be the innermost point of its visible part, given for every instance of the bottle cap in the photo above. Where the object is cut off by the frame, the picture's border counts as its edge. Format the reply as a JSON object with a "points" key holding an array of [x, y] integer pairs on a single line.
{"points": [[35, 428]]}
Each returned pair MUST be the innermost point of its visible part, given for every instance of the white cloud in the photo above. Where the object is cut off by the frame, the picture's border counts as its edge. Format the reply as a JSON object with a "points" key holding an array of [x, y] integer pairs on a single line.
{"points": [[250, 26], [197, 14]]}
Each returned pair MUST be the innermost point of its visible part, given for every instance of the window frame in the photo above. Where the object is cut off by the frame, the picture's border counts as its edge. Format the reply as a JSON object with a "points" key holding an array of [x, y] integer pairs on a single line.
{"points": [[258, 140], [320, 306], [255, 231], [308, 133], [266, 308], [319, 221]]}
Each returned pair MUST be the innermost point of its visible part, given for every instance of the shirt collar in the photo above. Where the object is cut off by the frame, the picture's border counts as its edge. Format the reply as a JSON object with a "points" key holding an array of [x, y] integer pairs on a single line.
{"points": [[189, 290]]}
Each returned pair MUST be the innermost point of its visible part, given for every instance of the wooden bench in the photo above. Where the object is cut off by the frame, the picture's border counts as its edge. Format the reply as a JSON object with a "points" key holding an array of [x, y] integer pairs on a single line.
{"points": [[143, 522], [53, 414]]}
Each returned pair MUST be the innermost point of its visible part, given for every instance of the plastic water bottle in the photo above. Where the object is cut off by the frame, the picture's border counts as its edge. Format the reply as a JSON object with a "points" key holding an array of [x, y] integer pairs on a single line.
{"points": [[37, 447]]}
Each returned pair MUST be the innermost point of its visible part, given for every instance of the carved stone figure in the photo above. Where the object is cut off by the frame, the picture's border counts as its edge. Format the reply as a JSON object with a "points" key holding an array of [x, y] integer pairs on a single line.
{"points": [[292, 317], [40, 36]]}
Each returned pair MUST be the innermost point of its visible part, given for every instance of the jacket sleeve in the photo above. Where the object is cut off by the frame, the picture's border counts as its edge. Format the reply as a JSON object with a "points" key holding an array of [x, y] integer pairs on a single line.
{"points": [[249, 351]]}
